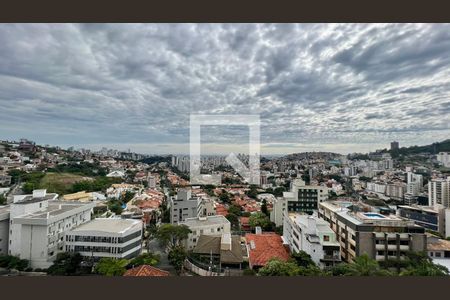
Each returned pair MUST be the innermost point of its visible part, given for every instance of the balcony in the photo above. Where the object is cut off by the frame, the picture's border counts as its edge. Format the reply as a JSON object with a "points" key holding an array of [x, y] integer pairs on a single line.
{"points": [[328, 258], [379, 247]]}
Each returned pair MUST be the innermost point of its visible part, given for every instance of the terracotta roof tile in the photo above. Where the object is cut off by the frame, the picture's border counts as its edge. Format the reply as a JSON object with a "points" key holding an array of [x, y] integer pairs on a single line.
{"points": [[266, 246], [146, 270]]}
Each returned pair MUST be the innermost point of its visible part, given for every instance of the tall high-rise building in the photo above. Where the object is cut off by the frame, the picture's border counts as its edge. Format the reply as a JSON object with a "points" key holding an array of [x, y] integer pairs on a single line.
{"points": [[394, 145], [302, 198], [444, 159], [439, 192]]}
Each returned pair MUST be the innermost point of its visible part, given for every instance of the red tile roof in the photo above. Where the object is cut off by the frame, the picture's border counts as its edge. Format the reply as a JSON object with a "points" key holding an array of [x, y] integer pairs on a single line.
{"points": [[221, 210], [146, 270], [266, 246], [244, 220]]}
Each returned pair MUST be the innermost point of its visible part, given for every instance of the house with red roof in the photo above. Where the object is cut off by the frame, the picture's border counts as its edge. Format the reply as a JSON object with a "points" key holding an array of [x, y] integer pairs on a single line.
{"points": [[146, 271], [245, 224], [221, 210], [264, 246]]}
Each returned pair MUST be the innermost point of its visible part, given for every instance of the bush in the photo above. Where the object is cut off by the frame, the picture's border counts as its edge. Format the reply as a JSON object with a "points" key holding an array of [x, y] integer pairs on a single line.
{"points": [[13, 262], [249, 272]]}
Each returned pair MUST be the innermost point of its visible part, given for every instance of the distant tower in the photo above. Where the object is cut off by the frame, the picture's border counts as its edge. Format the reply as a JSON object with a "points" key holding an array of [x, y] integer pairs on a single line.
{"points": [[394, 145]]}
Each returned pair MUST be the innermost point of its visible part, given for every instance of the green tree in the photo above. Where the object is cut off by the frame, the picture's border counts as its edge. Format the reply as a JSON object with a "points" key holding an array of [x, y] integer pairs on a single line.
{"points": [[171, 235], [252, 192], [278, 192], [259, 219], [235, 209], [224, 197], [303, 259], [115, 206], [2, 199], [145, 259], [176, 257], [67, 264], [264, 209], [277, 267], [13, 262], [234, 220], [362, 266], [28, 187], [15, 175], [111, 267], [419, 264]]}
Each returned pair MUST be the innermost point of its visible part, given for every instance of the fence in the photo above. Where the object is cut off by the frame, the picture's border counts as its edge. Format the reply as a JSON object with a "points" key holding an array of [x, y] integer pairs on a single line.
{"points": [[205, 271]]}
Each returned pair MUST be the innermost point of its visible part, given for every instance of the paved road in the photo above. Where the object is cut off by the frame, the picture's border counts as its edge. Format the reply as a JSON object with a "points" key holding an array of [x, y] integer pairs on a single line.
{"points": [[154, 247]]}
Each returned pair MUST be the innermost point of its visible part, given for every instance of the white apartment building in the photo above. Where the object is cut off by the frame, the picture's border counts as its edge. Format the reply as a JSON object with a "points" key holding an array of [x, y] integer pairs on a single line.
{"points": [[38, 223], [376, 187], [210, 225], [4, 229], [444, 159], [151, 181], [183, 206], [301, 198], [396, 190], [439, 192], [415, 178], [113, 238], [312, 235]]}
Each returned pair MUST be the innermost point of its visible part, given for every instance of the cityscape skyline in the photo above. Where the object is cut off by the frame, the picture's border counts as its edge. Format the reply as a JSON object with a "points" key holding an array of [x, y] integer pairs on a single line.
{"points": [[318, 87]]}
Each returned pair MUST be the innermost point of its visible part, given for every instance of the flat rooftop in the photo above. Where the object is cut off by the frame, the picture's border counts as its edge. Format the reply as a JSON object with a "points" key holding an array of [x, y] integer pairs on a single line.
{"points": [[109, 225], [54, 209], [205, 221], [30, 199]]}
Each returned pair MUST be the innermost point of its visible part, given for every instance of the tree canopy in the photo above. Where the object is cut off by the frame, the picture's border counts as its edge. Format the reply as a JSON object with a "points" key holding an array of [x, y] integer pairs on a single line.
{"points": [[111, 267], [171, 235], [259, 219]]}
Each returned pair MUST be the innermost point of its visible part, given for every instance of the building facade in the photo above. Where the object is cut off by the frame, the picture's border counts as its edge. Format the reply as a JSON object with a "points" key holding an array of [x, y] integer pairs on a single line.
{"points": [[113, 238], [302, 198], [183, 206], [439, 192], [427, 217], [38, 224], [209, 225], [381, 237], [312, 235]]}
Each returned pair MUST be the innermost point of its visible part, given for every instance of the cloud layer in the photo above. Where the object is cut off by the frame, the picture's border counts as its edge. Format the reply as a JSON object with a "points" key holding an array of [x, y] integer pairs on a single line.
{"points": [[342, 87]]}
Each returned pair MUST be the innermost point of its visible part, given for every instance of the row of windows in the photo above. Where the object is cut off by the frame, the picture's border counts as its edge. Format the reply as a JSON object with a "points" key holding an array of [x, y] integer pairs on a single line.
{"points": [[102, 239], [103, 249]]}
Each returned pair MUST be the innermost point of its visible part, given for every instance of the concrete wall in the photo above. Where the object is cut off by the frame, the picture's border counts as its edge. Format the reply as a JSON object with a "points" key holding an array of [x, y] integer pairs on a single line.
{"points": [[4, 236]]}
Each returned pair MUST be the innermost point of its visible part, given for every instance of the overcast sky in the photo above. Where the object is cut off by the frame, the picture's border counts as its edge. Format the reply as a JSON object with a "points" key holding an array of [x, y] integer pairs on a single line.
{"points": [[331, 87]]}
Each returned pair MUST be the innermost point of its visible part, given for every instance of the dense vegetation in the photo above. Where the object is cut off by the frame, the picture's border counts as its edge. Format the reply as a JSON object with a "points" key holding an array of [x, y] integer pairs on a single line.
{"points": [[73, 264], [13, 262], [301, 264]]}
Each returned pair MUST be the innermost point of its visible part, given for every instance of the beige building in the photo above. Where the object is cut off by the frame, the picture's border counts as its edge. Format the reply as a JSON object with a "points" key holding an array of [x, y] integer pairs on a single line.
{"points": [[380, 236]]}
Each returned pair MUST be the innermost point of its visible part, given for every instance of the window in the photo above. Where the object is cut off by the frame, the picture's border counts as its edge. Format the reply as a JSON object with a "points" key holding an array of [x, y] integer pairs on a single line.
{"points": [[438, 254], [326, 238]]}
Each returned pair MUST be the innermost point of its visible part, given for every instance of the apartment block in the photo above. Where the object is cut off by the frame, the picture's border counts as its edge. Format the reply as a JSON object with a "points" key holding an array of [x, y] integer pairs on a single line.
{"points": [[210, 225], [113, 238], [379, 236], [302, 198], [38, 223], [426, 216], [183, 206], [439, 192], [312, 235]]}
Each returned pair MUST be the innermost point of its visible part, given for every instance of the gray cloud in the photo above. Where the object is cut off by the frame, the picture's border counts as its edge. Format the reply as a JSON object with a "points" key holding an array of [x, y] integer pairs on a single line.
{"points": [[312, 84]]}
